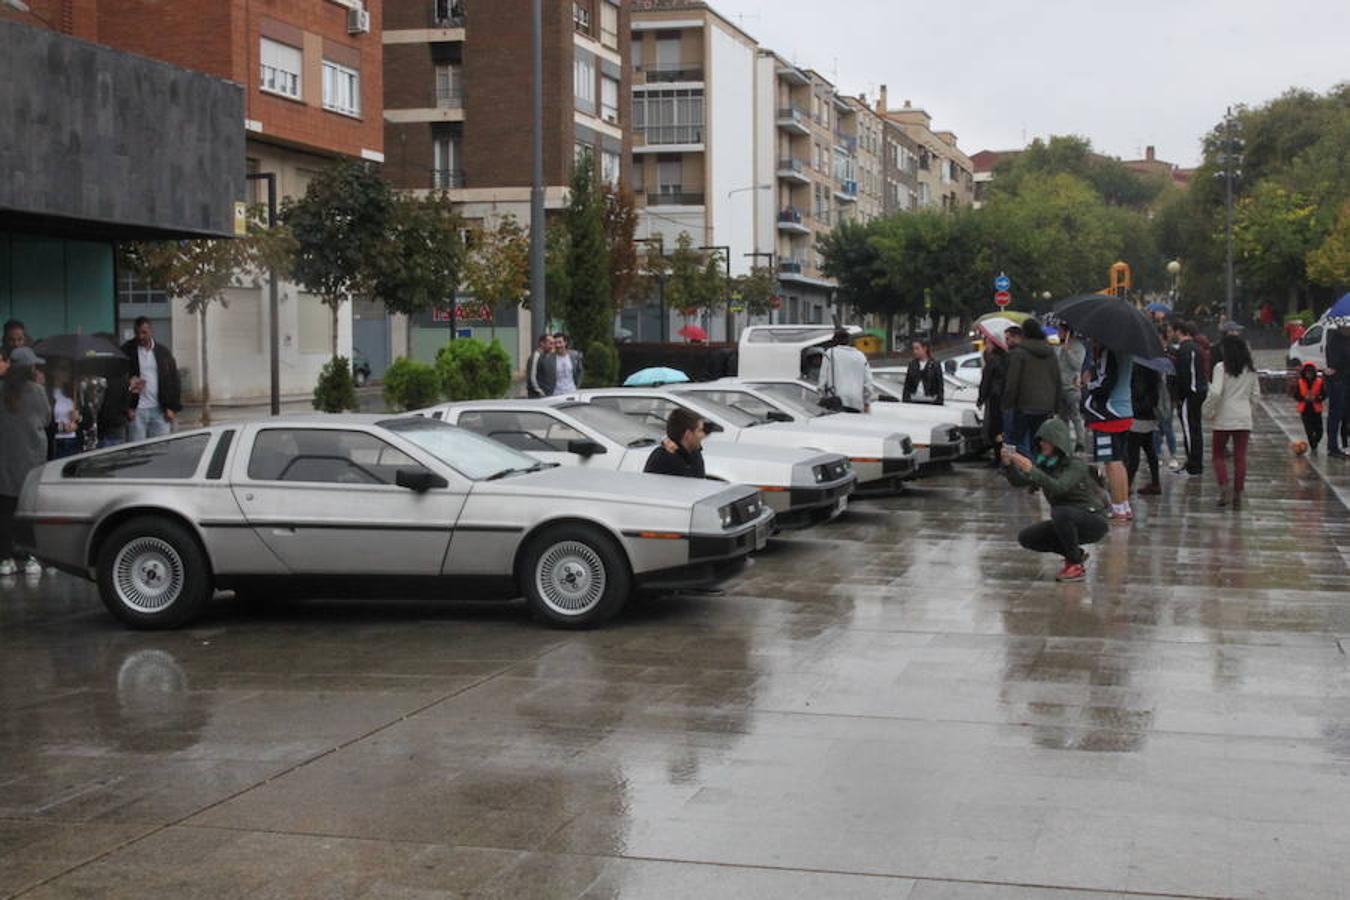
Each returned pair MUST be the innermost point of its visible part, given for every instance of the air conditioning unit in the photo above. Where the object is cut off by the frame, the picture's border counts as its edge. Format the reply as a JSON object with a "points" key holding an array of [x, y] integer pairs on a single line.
{"points": [[358, 21]]}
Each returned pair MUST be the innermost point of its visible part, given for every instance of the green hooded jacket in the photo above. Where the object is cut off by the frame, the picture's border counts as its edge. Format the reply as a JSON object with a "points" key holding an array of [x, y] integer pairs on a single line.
{"points": [[1065, 480]]}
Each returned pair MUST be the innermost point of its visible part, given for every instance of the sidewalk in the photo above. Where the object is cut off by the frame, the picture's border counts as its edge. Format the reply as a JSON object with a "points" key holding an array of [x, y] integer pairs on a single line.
{"points": [[370, 397]]}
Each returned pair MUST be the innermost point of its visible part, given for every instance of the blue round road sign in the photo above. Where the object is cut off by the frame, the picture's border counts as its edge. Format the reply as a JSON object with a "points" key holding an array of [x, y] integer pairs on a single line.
{"points": [[1002, 283]]}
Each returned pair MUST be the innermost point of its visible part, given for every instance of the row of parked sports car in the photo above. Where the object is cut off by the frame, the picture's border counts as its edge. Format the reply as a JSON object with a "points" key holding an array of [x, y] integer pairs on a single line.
{"points": [[544, 499]]}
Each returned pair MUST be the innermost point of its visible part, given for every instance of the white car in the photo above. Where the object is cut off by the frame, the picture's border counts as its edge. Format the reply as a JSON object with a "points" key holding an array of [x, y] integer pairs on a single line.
{"points": [[968, 367], [941, 441], [955, 392], [802, 487], [1311, 348], [882, 460]]}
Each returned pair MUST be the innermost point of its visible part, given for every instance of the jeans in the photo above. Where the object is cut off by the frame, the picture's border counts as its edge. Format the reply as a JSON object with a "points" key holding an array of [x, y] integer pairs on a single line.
{"points": [[1240, 439], [64, 447], [1335, 411], [1192, 434], [1068, 528], [149, 423], [1019, 429], [1165, 433]]}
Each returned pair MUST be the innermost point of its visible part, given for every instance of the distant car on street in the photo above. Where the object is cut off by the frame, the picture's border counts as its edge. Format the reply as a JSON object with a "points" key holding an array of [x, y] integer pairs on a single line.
{"points": [[802, 487], [375, 506], [968, 367], [1310, 348]]}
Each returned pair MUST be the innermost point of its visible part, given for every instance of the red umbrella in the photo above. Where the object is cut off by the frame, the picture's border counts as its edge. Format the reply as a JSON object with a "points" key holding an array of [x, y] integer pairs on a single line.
{"points": [[693, 333]]}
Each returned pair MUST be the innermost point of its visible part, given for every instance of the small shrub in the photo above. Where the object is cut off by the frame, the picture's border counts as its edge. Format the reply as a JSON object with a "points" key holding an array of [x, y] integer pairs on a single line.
{"points": [[472, 370], [601, 365], [335, 392], [409, 384]]}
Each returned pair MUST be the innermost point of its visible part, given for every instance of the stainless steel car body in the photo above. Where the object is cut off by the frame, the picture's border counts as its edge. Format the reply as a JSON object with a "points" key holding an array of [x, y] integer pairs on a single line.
{"points": [[955, 392], [940, 439], [882, 459], [802, 487], [253, 525]]}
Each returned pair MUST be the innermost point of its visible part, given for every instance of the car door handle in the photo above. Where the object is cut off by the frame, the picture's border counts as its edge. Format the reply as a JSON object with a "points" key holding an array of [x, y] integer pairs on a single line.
{"points": [[284, 532]]}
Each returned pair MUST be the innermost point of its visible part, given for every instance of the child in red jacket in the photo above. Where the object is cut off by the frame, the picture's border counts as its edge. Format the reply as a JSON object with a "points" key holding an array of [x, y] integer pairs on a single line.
{"points": [[1311, 393]]}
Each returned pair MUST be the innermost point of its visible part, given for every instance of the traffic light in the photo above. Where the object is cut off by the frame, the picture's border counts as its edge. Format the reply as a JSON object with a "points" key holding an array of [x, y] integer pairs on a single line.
{"points": [[1120, 279]]}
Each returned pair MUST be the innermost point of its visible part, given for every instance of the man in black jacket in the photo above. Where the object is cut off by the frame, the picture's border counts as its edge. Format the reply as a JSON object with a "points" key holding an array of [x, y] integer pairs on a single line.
{"points": [[156, 396], [1192, 385], [681, 453], [1338, 379]]}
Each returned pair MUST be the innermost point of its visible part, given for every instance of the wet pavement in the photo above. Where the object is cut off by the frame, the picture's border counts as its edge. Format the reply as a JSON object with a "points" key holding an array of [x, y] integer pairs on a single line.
{"points": [[901, 704]]}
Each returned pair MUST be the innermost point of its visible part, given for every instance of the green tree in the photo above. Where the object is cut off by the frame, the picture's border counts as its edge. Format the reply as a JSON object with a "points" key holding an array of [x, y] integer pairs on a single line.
{"points": [[497, 271], [418, 267], [199, 272], [1329, 262], [589, 308], [694, 283], [620, 218], [341, 227], [1273, 233], [754, 291], [409, 384], [335, 391]]}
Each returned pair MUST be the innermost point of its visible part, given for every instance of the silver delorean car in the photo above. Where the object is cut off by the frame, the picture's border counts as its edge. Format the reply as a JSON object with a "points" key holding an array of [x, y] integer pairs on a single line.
{"points": [[375, 506]]}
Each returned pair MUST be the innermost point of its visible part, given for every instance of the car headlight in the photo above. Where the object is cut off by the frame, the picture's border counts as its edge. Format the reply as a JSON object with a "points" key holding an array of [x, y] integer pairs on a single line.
{"points": [[725, 515]]}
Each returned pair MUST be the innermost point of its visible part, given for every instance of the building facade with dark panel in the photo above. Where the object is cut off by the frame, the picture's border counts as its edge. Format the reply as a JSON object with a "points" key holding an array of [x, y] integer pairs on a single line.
{"points": [[102, 146], [457, 98]]}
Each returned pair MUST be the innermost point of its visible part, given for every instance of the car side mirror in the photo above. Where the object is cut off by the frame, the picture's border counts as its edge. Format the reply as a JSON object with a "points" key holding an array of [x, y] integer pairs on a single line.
{"points": [[777, 415], [584, 447], [949, 365], [711, 427], [419, 481]]}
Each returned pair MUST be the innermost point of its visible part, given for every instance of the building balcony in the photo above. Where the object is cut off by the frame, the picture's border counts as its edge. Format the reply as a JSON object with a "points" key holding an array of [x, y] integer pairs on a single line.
{"points": [[668, 139], [666, 73], [847, 141], [793, 170], [447, 179], [674, 196], [447, 14], [794, 119], [847, 191], [793, 265], [450, 98], [790, 221], [792, 75]]}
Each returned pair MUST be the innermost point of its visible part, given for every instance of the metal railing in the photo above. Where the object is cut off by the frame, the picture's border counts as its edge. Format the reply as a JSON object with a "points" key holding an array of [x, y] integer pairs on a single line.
{"points": [[445, 179], [675, 197], [671, 134], [659, 73], [795, 114], [449, 98], [848, 187], [791, 214], [846, 140], [792, 165], [793, 265]]}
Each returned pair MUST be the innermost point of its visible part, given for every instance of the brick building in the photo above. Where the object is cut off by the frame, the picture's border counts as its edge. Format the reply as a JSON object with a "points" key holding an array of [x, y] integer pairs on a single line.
{"points": [[944, 175], [457, 114]]}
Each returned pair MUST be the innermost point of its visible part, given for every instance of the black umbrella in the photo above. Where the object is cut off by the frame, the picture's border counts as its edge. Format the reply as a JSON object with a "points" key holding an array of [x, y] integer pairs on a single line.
{"points": [[1112, 321], [82, 348]]}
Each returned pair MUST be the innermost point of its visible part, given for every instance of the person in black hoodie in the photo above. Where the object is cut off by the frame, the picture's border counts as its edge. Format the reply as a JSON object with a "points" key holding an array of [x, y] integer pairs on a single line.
{"points": [[1192, 385], [923, 378], [681, 453], [1338, 377], [990, 399], [1145, 392]]}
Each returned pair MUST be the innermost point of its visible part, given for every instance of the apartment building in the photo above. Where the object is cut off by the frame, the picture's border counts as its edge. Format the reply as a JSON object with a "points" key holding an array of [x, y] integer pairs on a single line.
{"points": [[82, 174], [312, 79], [944, 175], [457, 111], [694, 166], [870, 131], [900, 169]]}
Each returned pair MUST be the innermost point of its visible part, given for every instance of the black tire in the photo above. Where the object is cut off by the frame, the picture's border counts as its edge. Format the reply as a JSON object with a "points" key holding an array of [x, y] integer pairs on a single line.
{"points": [[152, 574], [585, 553]]}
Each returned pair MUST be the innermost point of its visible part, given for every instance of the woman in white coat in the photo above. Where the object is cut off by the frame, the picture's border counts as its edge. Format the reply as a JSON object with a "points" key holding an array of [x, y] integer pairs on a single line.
{"points": [[1233, 392]]}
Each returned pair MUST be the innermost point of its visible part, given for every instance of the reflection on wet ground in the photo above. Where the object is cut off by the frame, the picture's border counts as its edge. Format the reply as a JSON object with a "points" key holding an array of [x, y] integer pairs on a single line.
{"points": [[900, 705]]}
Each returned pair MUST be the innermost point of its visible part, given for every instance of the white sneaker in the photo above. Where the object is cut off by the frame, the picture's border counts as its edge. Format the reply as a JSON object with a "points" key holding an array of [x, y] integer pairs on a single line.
{"points": [[32, 567], [7, 567], [1175, 464]]}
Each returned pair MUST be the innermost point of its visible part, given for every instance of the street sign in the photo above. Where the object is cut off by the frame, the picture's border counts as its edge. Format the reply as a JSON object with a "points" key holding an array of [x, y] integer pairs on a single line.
{"points": [[1002, 283], [1002, 298]]}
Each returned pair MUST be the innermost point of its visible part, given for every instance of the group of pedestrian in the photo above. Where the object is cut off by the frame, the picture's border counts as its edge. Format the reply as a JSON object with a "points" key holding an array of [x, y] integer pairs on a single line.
{"points": [[44, 416], [553, 369], [1090, 401]]}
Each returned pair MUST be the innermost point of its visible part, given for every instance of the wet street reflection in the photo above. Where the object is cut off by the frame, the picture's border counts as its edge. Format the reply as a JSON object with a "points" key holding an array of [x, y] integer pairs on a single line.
{"points": [[900, 704]]}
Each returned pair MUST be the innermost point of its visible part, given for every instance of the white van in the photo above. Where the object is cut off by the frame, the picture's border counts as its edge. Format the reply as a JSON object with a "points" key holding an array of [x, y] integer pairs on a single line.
{"points": [[1311, 348]]}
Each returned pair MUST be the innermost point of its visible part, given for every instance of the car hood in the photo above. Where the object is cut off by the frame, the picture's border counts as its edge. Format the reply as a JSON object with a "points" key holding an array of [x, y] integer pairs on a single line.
{"points": [[765, 453], [849, 441], [564, 482]]}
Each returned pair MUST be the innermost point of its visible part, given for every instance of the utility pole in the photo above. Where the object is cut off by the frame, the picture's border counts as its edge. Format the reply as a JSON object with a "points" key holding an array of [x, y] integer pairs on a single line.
{"points": [[1231, 159], [538, 302]]}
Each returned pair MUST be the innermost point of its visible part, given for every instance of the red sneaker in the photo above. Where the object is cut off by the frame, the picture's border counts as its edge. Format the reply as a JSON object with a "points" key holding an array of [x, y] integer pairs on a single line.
{"points": [[1072, 572]]}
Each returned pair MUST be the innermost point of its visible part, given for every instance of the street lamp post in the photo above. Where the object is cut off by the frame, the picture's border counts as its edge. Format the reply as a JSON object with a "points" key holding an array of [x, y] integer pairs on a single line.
{"points": [[731, 317], [538, 302], [1231, 158], [1174, 269], [273, 306]]}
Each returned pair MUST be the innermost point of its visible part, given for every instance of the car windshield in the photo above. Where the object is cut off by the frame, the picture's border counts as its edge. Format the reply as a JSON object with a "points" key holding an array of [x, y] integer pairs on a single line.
{"points": [[718, 412], [624, 430], [797, 399], [471, 454]]}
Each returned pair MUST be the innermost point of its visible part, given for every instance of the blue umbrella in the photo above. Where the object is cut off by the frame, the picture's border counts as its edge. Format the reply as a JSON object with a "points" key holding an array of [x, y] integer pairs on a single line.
{"points": [[655, 377], [1339, 314], [1158, 307], [1159, 364]]}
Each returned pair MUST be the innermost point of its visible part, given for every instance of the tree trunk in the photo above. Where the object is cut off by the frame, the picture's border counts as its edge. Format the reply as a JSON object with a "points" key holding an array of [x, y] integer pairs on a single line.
{"points": [[206, 365], [335, 328]]}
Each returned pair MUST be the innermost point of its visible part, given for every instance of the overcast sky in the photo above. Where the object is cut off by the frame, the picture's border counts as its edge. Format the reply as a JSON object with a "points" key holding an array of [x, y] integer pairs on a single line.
{"points": [[1002, 72]]}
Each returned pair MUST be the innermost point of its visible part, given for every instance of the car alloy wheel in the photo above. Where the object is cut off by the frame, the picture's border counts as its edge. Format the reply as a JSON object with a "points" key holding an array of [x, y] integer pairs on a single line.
{"points": [[148, 575], [570, 578]]}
